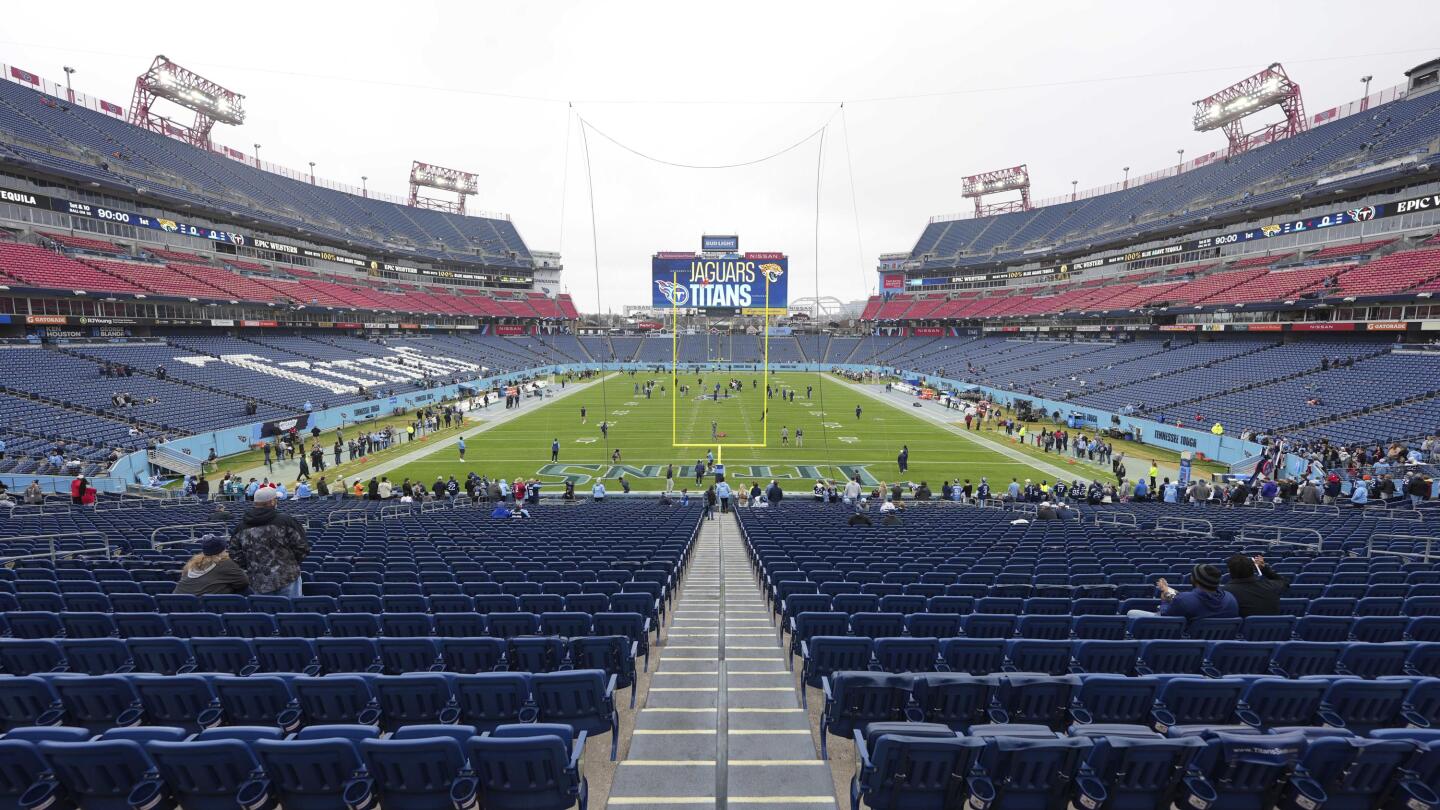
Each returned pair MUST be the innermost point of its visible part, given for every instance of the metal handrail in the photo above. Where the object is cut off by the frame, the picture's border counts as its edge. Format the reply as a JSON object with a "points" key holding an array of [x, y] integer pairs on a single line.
{"points": [[1254, 532], [53, 554], [1112, 518], [121, 505], [51, 538], [1426, 555], [223, 527], [25, 510], [346, 517], [1381, 512], [390, 510], [1175, 524], [1326, 508]]}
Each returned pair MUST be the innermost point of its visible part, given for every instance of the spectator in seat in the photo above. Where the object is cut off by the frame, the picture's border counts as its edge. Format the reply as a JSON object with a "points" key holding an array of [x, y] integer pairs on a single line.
{"points": [[1255, 595], [1204, 600], [33, 494], [77, 489], [269, 546], [212, 571], [1309, 492]]}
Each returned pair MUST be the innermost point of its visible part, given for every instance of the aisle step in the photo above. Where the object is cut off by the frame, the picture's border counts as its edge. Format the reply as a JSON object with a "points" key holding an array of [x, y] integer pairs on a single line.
{"points": [[721, 670]]}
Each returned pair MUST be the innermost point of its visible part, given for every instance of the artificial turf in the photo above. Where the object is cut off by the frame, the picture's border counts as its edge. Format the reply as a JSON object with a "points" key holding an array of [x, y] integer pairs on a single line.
{"points": [[837, 443]]}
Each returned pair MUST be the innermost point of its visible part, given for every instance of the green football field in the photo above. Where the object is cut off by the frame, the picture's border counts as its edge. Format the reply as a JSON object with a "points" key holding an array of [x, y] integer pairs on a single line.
{"points": [[836, 443]]}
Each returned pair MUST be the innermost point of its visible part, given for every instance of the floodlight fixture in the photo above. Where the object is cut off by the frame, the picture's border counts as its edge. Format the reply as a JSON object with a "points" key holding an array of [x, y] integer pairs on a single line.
{"points": [[210, 102]]}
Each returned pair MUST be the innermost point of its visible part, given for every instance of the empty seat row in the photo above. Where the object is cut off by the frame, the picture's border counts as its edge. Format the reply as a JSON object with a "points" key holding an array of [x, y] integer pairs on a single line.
{"points": [[1289, 659], [420, 766], [114, 601], [583, 698], [908, 765], [40, 625], [392, 656], [1143, 706]]}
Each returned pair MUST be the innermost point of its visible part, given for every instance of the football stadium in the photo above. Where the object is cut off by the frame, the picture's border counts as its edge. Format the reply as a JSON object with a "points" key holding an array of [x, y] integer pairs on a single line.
{"points": [[742, 478]]}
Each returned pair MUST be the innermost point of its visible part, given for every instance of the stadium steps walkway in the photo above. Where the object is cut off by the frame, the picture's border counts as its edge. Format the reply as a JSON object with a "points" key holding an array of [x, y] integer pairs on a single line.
{"points": [[722, 725]]}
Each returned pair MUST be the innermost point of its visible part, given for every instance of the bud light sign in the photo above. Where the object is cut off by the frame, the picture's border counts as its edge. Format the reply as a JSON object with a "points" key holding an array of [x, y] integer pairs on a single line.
{"points": [[719, 244]]}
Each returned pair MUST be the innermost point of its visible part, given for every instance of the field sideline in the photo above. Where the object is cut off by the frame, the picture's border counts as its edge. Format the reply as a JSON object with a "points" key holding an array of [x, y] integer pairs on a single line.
{"points": [[836, 442]]}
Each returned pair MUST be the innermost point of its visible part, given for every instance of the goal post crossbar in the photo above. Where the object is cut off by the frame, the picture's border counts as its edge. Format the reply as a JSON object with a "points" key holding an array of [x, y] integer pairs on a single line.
{"points": [[718, 446]]}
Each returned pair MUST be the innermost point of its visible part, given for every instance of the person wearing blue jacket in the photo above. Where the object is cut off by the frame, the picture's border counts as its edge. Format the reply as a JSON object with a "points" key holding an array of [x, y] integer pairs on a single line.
{"points": [[1204, 600]]}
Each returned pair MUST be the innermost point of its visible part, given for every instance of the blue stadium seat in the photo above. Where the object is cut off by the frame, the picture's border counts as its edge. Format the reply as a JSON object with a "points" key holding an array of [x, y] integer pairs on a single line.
{"points": [[307, 774], [99, 774], [412, 774], [493, 699], [1114, 699], [1190, 705], [259, 700], [855, 698], [205, 773], [1242, 771], [1362, 706], [335, 700], [1126, 772], [527, 770], [956, 701], [910, 765], [1340, 772], [583, 699], [1024, 773]]}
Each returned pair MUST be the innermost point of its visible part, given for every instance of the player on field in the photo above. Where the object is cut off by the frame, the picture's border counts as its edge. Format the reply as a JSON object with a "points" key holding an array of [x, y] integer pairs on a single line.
{"points": [[582, 414], [555, 449], [857, 411], [784, 435], [714, 429]]}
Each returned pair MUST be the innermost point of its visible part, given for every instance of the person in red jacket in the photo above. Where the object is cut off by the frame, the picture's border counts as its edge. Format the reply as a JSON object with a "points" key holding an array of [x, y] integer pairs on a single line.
{"points": [[77, 489]]}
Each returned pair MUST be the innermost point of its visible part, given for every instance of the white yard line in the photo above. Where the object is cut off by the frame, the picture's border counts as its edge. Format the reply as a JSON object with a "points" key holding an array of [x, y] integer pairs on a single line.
{"points": [[941, 417], [491, 419]]}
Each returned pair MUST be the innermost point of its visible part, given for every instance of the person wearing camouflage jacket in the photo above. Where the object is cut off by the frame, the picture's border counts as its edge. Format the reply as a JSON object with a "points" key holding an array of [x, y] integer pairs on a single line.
{"points": [[269, 545]]}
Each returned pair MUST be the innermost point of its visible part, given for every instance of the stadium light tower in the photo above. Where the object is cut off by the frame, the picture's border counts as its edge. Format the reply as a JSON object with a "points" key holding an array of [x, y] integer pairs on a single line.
{"points": [[1227, 109], [424, 175], [978, 186], [210, 102]]}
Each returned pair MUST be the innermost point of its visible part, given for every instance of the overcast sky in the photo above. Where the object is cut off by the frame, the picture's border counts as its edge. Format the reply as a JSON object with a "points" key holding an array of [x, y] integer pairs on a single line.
{"points": [[934, 91]]}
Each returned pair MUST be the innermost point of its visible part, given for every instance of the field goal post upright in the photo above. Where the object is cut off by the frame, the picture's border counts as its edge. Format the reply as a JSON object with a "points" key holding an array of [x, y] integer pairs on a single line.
{"points": [[677, 301]]}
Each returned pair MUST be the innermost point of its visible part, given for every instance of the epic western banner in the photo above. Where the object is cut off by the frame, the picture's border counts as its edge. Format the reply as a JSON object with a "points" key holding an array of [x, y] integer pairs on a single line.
{"points": [[736, 284]]}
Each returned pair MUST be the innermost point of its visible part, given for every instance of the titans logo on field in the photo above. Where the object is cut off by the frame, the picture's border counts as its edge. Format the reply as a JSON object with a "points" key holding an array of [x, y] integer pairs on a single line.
{"points": [[676, 294]]}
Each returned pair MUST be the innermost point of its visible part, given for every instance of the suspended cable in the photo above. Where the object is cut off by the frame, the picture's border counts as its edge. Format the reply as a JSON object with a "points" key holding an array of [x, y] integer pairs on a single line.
{"points": [[819, 374], [586, 124], [854, 204], [595, 253]]}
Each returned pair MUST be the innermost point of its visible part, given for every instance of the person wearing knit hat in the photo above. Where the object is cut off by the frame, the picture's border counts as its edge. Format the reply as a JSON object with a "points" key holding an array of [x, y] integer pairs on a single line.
{"points": [[212, 570], [1204, 600], [269, 546]]}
